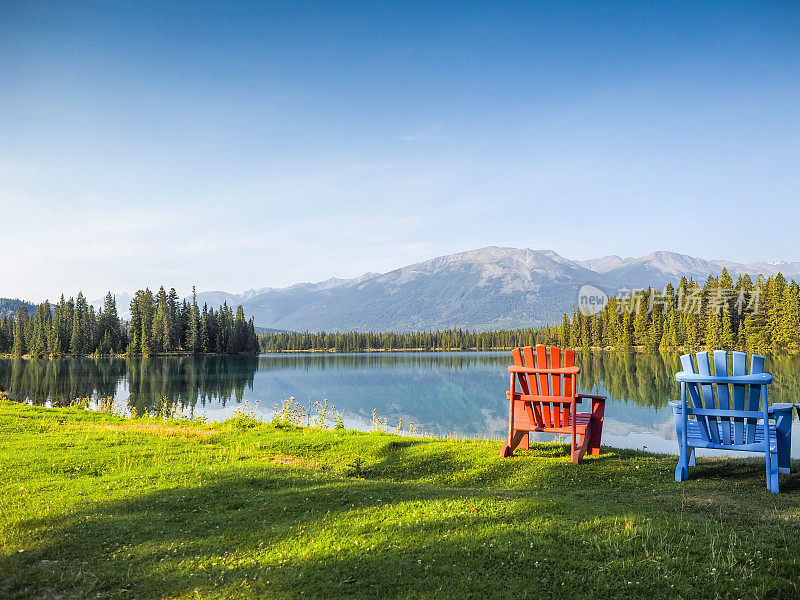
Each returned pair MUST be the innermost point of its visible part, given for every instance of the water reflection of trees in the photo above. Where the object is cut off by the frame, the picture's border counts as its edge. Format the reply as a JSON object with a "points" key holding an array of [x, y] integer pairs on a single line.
{"points": [[60, 380], [785, 369], [377, 360], [646, 380], [450, 391], [186, 380], [440, 388]]}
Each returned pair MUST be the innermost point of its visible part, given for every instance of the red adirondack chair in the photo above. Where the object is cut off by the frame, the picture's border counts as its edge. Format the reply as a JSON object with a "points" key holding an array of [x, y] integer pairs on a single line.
{"points": [[547, 402]]}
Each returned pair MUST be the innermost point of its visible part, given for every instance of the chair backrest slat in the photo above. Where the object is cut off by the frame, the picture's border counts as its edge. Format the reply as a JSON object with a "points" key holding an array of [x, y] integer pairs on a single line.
{"points": [[739, 368], [528, 383], [569, 384], [694, 395], [708, 396], [516, 354], [555, 384], [756, 366], [723, 394], [544, 383]]}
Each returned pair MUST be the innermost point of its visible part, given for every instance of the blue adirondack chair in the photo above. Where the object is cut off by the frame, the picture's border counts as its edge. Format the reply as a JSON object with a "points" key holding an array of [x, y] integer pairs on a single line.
{"points": [[741, 421]]}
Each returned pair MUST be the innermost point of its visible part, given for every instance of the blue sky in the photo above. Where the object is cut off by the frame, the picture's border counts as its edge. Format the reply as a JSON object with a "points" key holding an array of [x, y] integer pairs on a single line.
{"points": [[239, 145]]}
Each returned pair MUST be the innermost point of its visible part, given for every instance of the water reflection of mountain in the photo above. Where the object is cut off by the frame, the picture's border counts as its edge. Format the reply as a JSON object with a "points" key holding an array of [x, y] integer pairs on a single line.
{"points": [[460, 393], [453, 393], [646, 380]]}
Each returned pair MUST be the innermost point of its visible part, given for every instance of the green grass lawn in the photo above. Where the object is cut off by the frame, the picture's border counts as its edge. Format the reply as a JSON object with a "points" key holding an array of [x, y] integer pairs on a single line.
{"points": [[95, 506]]}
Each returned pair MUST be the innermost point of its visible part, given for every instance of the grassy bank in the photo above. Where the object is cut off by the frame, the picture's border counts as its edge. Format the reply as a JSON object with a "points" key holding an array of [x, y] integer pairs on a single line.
{"points": [[95, 506]]}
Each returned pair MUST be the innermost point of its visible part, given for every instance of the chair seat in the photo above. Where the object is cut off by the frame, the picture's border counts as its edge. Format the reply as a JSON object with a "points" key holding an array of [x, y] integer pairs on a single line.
{"points": [[581, 423], [695, 437]]}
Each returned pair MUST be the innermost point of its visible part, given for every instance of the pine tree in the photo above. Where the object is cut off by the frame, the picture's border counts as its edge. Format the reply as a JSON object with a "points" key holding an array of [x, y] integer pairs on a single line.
{"points": [[162, 330], [141, 323], [774, 294], [135, 326], [713, 330], [175, 322], [787, 335], [755, 322], [205, 330], [626, 332], [193, 335], [564, 333], [240, 332], [57, 342], [20, 347], [78, 344], [110, 328], [92, 337], [640, 324], [41, 327], [727, 336]]}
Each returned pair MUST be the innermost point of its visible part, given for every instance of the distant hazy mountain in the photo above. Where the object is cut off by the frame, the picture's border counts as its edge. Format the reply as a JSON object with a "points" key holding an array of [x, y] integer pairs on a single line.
{"points": [[604, 264], [8, 306], [123, 301], [658, 269], [486, 288], [790, 270], [481, 289]]}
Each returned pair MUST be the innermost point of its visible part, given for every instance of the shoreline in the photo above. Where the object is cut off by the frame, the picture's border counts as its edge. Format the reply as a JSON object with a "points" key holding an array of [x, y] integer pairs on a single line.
{"points": [[640, 350], [119, 355]]}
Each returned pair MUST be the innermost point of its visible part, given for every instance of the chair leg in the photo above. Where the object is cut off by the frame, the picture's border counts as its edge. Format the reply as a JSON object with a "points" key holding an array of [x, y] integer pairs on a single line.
{"points": [[783, 426], [693, 458], [596, 427], [506, 451], [575, 454], [518, 439], [772, 475], [578, 451], [772, 468], [682, 469]]}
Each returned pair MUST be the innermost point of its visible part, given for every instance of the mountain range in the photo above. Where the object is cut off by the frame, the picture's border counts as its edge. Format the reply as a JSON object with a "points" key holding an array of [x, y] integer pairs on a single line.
{"points": [[480, 289]]}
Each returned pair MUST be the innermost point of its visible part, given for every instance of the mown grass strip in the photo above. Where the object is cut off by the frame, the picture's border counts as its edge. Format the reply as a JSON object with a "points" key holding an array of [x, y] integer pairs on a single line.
{"points": [[95, 506]]}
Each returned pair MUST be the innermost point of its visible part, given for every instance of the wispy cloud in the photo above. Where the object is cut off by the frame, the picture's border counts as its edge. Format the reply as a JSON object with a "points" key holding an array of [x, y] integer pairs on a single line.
{"points": [[427, 133]]}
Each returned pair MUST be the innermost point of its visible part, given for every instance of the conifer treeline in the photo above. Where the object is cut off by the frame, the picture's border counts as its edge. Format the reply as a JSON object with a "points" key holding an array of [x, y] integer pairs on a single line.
{"points": [[354, 341], [721, 314], [160, 323]]}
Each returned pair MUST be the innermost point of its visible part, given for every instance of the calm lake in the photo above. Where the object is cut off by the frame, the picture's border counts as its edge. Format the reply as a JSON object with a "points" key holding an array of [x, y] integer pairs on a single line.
{"points": [[460, 394]]}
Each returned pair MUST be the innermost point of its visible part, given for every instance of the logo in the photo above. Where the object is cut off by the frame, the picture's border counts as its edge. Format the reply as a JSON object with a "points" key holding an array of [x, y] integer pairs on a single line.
{"points": [[591, 300]]}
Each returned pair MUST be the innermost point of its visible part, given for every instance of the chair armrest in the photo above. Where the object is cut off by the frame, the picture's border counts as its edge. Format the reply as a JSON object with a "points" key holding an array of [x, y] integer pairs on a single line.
{"points": [[780, 406], [753, 378], [591, 397]]}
